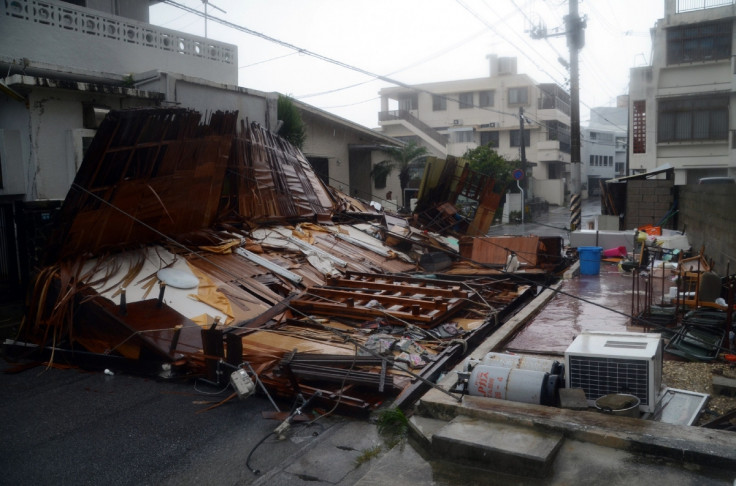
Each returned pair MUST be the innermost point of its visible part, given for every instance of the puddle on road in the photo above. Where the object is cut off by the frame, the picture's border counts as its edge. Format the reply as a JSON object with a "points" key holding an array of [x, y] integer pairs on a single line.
{"points": [[585, 303]]}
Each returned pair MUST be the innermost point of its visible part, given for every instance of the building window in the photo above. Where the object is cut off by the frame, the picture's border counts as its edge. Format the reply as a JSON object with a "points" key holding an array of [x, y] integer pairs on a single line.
{"points": [[489, 138], [485, 98], [515, 138], [466, 100], [619, 167], [591, 160], [462, 136], [559, 131], [639, 127], [518, 96], [699, 42], [555, 170], [408, 102], [439, 103], [696, 118]]}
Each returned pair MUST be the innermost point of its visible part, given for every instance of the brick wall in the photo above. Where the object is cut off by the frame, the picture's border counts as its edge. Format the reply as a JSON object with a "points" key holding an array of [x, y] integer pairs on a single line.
{"points": [[708, 216], [648, 202]]}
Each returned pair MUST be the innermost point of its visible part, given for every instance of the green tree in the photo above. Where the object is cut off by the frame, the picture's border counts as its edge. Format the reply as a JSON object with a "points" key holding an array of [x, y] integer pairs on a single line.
{"points": [[401, 157], [293, 128], [486, 160]]}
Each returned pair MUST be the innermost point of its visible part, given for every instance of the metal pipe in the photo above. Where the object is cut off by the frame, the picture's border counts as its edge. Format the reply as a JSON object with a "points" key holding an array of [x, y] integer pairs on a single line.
{"points": [[258, 260]]}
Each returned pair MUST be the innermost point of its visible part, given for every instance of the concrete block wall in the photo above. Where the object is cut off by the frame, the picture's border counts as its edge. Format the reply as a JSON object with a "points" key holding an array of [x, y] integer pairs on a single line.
{"points": [[647, 202], [708, 216]]}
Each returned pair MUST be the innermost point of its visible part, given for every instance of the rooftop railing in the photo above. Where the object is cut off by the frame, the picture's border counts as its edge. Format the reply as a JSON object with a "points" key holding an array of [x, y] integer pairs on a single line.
{"points": [[692, 5], [93, 23]]}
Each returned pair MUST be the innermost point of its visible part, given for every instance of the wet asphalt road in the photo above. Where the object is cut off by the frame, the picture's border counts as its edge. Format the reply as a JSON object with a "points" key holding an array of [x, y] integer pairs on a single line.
{"points": [[71, 427]]}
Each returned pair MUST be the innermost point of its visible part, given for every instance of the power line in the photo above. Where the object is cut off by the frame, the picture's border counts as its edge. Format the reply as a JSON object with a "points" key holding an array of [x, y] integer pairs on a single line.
{"points": [[267, 60], [421, 61]]}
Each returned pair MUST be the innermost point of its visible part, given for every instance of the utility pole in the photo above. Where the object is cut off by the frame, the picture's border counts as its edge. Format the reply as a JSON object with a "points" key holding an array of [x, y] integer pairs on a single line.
{"points": [[574, 26], [574, 30], [206, 3], [522, 145]]}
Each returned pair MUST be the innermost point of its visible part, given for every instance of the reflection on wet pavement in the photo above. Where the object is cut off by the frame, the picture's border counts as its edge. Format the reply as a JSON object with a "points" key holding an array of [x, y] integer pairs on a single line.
{"points": [[585, 303]]}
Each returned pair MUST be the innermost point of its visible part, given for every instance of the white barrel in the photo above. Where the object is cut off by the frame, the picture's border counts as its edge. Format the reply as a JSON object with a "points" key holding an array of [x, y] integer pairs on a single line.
{"points": [[488, 381], [523, 362], [527, 386]]}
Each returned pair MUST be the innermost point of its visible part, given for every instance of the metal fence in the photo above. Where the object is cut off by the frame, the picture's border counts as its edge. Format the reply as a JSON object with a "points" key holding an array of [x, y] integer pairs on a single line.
{"points": [[691, 5]]}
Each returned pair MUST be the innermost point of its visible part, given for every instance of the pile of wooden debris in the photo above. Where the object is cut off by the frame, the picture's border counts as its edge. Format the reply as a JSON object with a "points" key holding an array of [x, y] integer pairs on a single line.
{"points": [[185, 248]]}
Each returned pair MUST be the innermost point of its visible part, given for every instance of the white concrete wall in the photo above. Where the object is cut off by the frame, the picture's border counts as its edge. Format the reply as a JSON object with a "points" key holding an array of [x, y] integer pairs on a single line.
{"points": [[551, 190], [84, 40], [206, 97]]}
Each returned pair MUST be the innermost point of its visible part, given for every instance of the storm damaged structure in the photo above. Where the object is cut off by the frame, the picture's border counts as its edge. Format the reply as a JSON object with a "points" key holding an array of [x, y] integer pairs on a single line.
{"points": [[200, 248]]}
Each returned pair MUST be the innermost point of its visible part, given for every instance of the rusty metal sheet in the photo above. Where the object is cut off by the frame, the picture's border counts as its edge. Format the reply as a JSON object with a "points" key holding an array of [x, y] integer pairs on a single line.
{"points": [[271, 180], [147, 173], [495, 250]]}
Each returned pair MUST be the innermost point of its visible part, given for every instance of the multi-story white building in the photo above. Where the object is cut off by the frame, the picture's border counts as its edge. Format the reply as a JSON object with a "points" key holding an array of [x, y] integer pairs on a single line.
{"points": [[681, 106], [603, 145], [453, 116]]}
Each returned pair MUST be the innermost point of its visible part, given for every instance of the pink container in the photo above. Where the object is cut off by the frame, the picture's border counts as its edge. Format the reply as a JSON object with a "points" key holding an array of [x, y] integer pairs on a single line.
{"points": [[615, 252]]}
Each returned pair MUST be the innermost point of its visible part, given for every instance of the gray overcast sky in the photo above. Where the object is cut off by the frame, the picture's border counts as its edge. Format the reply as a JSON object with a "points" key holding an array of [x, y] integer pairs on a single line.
{"points": [[418, 41]]}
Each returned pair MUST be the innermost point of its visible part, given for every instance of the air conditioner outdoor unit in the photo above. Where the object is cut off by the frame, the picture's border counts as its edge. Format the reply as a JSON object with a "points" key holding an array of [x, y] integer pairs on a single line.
{"points": [[603, 363], [457, 122]]}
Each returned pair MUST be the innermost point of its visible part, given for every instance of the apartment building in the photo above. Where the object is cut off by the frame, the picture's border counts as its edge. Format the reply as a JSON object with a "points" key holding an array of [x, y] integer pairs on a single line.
{"points": [[603, 146], [453, 116], [681, 105]]}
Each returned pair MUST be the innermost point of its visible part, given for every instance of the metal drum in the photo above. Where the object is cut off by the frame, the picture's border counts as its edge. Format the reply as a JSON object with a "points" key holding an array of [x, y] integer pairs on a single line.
{"points": [[517, 385]]}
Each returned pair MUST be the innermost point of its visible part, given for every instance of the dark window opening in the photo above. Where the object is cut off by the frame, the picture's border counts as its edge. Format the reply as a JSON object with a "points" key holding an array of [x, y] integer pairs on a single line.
{"points": [[485, 98], [690, 119], [321, 167], [516, 137], [466, 100], [708, 41], [518, 96], [439, 103], [489, 138]]}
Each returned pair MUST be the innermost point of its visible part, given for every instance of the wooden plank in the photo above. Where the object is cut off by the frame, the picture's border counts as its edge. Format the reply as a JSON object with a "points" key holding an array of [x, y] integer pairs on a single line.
{"points": [[402, 300], [453, 291]]}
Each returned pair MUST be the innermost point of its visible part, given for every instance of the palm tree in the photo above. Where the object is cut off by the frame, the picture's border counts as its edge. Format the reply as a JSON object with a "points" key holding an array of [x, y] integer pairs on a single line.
{"points": [[401, 157]]}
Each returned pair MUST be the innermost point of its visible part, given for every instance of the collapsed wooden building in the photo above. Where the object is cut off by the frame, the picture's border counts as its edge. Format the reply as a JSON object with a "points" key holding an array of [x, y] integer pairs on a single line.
{"points": [[197, 248]]}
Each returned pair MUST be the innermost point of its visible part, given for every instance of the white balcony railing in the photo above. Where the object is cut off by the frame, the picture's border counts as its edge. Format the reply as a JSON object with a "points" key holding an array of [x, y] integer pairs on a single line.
{"points": [[691, 5], [93, 23]]}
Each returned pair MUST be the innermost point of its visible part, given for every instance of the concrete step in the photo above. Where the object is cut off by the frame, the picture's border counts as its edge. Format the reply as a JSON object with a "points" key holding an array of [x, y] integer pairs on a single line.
{"points": [[422, 429], [495, 446]]}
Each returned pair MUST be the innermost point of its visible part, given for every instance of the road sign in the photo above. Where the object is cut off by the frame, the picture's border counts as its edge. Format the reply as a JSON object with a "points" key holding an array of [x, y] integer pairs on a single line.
{"points": [[518, 174]]}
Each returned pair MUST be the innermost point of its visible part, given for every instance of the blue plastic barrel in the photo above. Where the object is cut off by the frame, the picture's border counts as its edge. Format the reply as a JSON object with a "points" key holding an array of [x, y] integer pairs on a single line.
{"points": [[590, 259]]}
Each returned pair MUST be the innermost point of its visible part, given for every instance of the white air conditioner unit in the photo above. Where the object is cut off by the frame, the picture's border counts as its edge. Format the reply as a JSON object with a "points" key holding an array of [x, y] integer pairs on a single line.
{"points": [[602, 363], [492, 125], [457, 122]]}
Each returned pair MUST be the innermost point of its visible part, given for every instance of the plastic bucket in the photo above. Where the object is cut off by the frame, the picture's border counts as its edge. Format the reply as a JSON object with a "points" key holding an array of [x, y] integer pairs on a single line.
{"points": [[590, 259], [615, 252]]}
